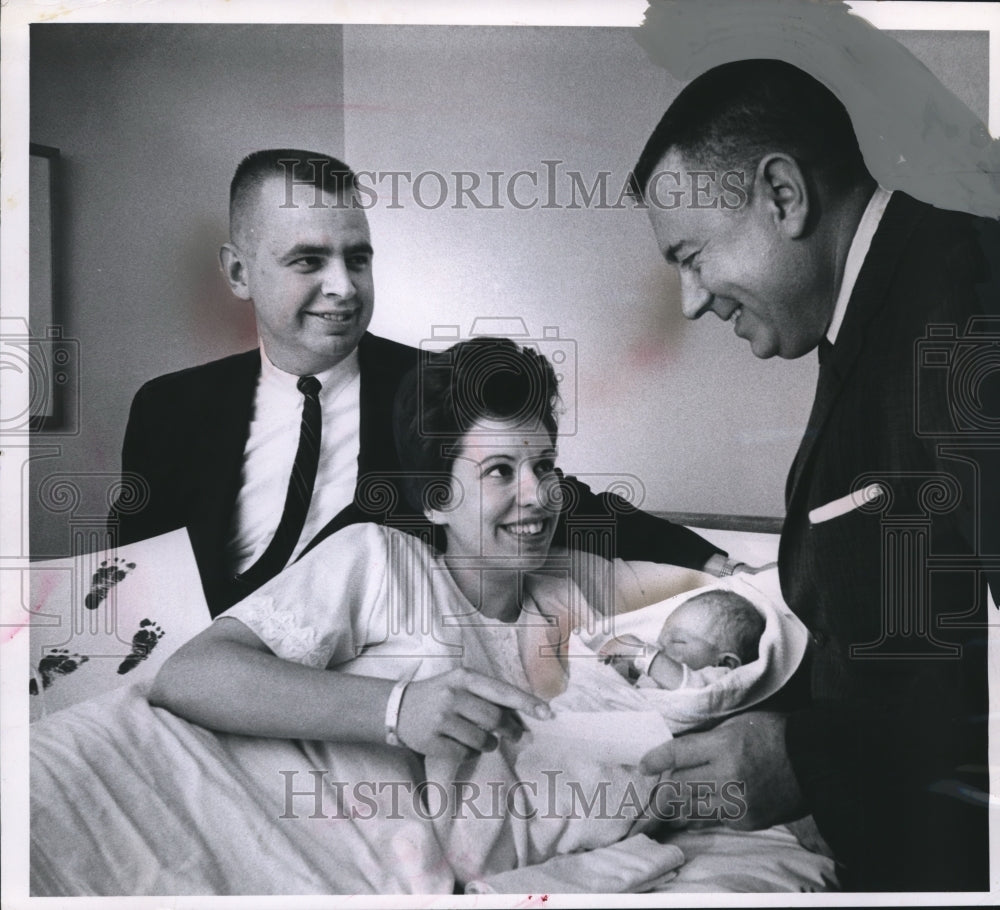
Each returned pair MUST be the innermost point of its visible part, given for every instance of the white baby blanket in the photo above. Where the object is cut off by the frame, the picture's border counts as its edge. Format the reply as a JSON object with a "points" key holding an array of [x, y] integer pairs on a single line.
{"points": [[602, 712]]}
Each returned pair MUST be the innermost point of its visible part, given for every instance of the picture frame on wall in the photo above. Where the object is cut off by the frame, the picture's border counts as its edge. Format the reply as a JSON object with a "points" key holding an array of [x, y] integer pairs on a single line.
{"points": [[46, 353]]}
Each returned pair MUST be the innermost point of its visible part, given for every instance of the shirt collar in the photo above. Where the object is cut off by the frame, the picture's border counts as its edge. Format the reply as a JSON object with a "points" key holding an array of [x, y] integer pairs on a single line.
{"points": [[856, 256], [335, 377]]}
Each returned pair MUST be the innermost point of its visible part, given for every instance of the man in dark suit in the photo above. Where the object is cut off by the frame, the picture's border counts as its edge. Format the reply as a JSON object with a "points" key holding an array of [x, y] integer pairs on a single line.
{"points": [[891, 503], [226, 450]]}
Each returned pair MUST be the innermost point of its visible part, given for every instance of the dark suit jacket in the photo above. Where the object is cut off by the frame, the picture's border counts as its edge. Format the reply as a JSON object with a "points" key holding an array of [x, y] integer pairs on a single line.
{"points": [[187, 431], [891, 752]]}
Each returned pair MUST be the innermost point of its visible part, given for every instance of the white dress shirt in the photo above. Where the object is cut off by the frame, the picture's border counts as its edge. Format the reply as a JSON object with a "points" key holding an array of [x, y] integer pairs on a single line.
{"points": [[270, 453], [856, 256]]}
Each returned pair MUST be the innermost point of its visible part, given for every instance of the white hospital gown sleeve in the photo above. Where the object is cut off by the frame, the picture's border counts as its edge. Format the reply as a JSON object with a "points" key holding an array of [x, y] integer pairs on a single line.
{"points": [[318, 610]]}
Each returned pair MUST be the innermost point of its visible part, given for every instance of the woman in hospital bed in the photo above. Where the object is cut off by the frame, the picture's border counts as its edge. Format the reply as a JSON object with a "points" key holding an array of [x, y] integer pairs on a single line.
{"points": [[421, 666]]}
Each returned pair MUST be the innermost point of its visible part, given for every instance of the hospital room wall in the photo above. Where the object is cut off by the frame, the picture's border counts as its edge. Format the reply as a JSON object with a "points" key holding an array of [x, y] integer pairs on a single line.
{"points": [[682, 408], [150, 121], [681, 411]]}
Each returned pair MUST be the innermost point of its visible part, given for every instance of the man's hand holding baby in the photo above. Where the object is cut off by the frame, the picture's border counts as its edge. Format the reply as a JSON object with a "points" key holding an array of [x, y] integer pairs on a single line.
{"points": [[741, 764]]}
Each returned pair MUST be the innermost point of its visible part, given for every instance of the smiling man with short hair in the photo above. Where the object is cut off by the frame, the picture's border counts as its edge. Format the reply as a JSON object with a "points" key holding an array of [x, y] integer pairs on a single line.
{"points": [[304, 261], [225, 449]]}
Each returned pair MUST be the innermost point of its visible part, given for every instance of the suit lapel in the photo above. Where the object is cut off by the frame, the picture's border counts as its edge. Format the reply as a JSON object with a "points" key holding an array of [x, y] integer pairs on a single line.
{"points": [[226, 438], [379, 381], [866, 301]]}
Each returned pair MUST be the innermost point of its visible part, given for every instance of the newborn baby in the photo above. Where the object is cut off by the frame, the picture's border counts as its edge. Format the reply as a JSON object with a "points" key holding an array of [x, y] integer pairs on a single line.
{"points": [[679, 688], [703, 639]]}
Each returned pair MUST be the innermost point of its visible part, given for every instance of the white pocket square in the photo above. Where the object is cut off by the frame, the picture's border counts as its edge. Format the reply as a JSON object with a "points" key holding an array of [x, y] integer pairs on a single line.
{"points": [[846, 504]]}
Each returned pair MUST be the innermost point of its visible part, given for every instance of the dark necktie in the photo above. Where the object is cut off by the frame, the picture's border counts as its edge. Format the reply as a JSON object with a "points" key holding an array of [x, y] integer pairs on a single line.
{"points": [[300, 487]]}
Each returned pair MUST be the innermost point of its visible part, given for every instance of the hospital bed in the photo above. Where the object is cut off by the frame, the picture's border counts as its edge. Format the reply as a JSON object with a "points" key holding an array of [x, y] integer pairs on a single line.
{"points": [[127, 799]]}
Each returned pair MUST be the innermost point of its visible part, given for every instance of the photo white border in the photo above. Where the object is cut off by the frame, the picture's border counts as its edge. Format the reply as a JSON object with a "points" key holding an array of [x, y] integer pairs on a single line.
{"points": [[14, 139]]}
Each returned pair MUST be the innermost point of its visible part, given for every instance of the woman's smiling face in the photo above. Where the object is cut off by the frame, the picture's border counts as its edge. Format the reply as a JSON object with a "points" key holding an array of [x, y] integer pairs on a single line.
{"points": [[502, 510]]}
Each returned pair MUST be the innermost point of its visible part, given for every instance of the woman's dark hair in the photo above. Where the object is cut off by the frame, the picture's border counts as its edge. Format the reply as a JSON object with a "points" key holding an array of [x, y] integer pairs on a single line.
{"points": [[449, 391]]}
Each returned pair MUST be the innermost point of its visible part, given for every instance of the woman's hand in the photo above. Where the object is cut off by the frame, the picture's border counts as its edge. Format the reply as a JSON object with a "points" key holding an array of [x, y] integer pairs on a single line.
{"points": [[462, 712]]}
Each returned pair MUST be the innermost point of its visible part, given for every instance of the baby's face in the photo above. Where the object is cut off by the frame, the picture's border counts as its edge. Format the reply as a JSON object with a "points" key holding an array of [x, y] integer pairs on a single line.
{"points": [[687, 637]]}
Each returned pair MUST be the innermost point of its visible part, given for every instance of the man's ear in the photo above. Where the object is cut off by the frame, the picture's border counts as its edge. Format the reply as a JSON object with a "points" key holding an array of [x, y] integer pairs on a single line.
{"points": [[785, 190], [729, 660], [235, 269]]}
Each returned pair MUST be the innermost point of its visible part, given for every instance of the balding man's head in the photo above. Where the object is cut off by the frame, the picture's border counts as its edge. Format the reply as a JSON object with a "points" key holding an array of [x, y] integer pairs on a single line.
{"points": [[755, 185], [731, 116]]}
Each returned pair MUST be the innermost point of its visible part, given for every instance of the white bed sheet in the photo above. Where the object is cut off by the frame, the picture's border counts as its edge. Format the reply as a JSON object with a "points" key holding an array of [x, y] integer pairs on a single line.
{"points": [[130, 800]]}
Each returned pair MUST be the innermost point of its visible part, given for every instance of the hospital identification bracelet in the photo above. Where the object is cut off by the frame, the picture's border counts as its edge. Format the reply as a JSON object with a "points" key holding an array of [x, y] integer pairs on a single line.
{"points": [[392, 713], [644, 661], [392, 707]]}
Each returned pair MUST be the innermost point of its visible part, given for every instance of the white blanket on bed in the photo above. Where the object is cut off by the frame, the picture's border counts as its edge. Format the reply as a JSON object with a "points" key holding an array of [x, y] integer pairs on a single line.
{"points": [[129, 800]]}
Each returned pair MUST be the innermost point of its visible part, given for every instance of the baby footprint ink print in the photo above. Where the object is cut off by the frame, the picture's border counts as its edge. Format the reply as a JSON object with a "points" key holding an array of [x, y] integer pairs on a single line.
{"points": [[143, 642]]}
